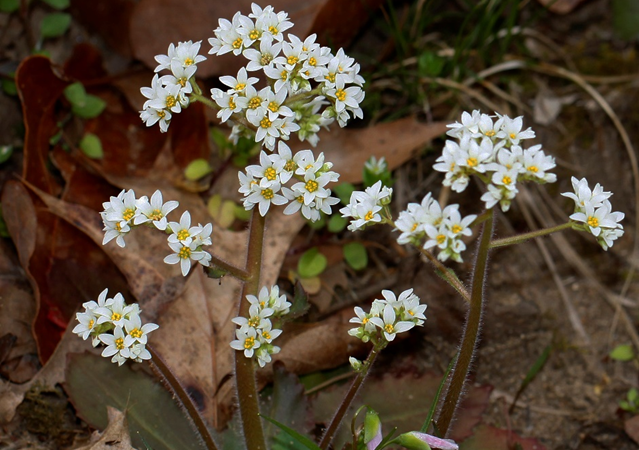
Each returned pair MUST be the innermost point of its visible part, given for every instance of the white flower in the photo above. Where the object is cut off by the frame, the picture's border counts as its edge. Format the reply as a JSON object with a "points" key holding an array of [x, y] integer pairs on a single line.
{"points": [[389, 325], [469, 124], [88, 321], [583, 196], [375, 166], [265, 193], [182, 232], [264, 57], [121, 209], [116, 345], [186, 53], [511, 130], [154, 211], [115, 311], [114, 230], [596, 219], [227, 38], [184, 254], [239, 84], [246, 341], [136, 332]]}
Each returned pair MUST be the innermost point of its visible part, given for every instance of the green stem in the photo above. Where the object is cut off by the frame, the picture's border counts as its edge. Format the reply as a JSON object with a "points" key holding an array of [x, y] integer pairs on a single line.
{"points": [[533, 234], [348, 399], [207, 101], [234, 271], [452, 279], [244, 367], [162, 370], [301, 96], [471, 332]]}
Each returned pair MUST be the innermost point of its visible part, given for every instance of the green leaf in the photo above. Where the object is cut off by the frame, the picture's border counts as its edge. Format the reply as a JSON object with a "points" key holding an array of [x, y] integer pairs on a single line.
{"points": [[76, 94], [92, 108], [241, 213], [337, 223], [197, 169], [5, 152], [9, 87], [317, 224], [429, 64], [311, 264], [622, 353], [91, 146], [9, 6], [57, 4], [355, 255], [93, 382], [344, 191], [625, 18], [306, 442], [633, 395], [300, 301], [220, 139], [54, 25]]}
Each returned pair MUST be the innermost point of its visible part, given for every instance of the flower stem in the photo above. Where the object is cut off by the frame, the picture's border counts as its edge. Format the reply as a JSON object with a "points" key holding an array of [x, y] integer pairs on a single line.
{"points": [[346, 403], [208, 102], [244, 367], [450, 276], [234, 271], [533, 234], [471, 332], [160, 368]]}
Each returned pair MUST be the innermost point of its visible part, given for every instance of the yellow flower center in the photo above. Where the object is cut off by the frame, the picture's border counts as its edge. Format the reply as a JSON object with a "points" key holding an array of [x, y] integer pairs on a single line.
{"points": [[472, 162], [273, 30], [254, 322], [118, 227], [292, 59], [270, 173], [119, 343], [240, 86], [512, 135], [368, 216], [456, 228], [266, 335], [91, 322], [189, 62], [265, 122], [414, 227], [237, 43], [411, 312], [300, 199], [249, 342], [490, 133], [533, 169], [185, 253], [506, 179], [330, 77], [312, 61], [284, 75], [311, 186], [254, 34], [389, 328], [441, 239], [231, 104], [341, 95], [136, 333], [161, 114], [254, 103], [290, 166], [364, 320], [274, 106], [266, 59], [156, 214], [182, 81], [593, 222], [452, 166], [116, 316], [128, 214], [170, 101], [268, 194], [183, 234]]}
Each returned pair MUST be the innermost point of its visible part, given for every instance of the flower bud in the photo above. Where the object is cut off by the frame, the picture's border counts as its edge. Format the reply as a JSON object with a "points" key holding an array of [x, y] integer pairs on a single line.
{"points": [[372, 430], [356, 364], [415, 440]]}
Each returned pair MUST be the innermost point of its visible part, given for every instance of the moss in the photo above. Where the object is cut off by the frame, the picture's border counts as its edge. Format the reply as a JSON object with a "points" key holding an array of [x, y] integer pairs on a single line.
{"points": [[46, 413]]}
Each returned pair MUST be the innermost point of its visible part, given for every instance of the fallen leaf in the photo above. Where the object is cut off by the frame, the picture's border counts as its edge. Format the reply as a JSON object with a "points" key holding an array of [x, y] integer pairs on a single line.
{"points": [[348, 149], [114, 437], [198, 18], [632, 428]]}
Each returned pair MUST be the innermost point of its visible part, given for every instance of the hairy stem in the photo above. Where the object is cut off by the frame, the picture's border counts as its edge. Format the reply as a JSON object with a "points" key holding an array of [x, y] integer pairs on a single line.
{"points": [[348, 399], [525, 236], [244, 368], [160, 368], [232, 270], [471, 332], [452, 279]]}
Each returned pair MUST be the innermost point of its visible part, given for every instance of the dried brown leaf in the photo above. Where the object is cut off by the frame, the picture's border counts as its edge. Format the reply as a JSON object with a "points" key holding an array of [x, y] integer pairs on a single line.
{"points": [[114, 437]]}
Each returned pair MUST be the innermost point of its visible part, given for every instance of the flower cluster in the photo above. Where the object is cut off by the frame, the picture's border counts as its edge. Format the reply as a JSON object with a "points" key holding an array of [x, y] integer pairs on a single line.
{"points": [[262, 184], [290, 102], [491, 150], [593, 212], [168, 94], [256, 333], [441, 228], [117, 325], [387, 317], [364, 206], [124, 212]]}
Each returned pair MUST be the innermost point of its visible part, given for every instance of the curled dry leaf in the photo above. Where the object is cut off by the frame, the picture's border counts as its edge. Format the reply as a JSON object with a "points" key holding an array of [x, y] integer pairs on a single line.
{"points": [[114, 437]]}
